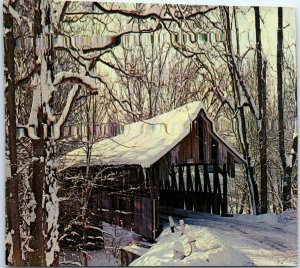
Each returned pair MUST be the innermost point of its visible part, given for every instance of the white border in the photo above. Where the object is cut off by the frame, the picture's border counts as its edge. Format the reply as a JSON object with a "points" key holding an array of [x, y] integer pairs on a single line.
{"points": [[271, 3]]}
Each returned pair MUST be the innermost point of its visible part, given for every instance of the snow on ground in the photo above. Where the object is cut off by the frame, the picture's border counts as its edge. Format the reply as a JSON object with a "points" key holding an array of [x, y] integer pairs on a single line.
{"points": [[242, 240], [114, 236]]}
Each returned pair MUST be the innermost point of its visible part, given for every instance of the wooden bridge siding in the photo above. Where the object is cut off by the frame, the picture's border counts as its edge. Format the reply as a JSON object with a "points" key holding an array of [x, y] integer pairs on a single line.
{"points": [[198, 198], [188, 148], [143, 214], [200, 138], [217, 195], [207, 191], [181, 190], [189, 194], [161, 179], [207, 198], [191, 145], [224, 204]]}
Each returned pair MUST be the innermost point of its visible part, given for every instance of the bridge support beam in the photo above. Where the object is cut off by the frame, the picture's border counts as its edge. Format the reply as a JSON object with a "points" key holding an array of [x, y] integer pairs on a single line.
{"points": [[225, 201]]}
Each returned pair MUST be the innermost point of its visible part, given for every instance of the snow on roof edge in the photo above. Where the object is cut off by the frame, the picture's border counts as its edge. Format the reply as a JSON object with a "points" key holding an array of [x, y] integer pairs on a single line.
{"points": [[195, 108]]}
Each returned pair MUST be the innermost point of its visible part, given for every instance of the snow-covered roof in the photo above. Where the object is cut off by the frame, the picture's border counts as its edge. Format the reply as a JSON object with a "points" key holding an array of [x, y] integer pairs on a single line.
{"points": [[142, 143]]}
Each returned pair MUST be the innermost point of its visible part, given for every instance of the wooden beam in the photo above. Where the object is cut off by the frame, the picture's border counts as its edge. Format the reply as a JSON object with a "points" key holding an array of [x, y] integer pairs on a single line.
{"points": [[181, 193], [189, 179], [173, 199], [224, 203], [201, 138], [181, 181], [207, 191], [173, 179], [189, 198], [167, 184], [198, 187], [215, 191], [198, 190], [194, 164]]}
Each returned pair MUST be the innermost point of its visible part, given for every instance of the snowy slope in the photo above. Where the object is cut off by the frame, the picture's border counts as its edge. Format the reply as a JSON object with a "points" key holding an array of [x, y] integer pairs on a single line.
{"points": [[243, 240]]}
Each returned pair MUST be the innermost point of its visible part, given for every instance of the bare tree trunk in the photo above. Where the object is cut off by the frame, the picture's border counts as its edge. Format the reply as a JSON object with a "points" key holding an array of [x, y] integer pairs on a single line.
{"points": [[43, 228], [37, 256], [262, 101], [234, 73], [12, 183], [86, 191], [37, 243], [287, 169]]}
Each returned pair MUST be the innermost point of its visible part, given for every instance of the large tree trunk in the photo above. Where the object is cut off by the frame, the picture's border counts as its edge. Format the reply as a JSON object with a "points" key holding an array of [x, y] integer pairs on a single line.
{"points": [[287, 169], [37, 243], [12, 183], [262, 101], [44, 228]]}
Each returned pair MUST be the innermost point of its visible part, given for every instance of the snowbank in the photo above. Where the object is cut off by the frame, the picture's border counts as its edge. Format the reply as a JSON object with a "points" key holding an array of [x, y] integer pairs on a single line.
{"points": [[288, 217], [212, 251], [242, 240], [270, 218]]}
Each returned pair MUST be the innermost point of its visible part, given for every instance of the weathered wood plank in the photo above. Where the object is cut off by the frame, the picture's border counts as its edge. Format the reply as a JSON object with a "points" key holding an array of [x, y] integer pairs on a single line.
{"points": [[207, 191], [217, 190], [143, 216], [198, 186], [189, 197], [224, 203], [181, 192], [173, 178], [201, 139], [189, 179]]}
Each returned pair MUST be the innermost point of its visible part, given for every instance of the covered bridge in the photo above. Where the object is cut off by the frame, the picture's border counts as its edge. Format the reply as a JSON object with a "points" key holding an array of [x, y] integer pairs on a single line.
{"points": [[175, 160]]}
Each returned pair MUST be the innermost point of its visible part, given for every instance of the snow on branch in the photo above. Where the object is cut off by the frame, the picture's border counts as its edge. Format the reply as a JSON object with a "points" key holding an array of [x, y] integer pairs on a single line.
{"points": [[244, 90], [223, 96], [83, 45], [249, 97], [67, 109], [36, 104], [153, 12], [65, 77], [87, 44]]}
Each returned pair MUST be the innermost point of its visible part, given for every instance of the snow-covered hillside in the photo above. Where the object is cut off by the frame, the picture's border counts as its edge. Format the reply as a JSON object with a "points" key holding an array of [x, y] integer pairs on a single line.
{"points": [[242, 240]]}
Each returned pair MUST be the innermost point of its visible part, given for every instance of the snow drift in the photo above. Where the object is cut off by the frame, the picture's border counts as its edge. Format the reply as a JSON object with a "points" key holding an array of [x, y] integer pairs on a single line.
{"points": [[212, 251], [241, 240]]}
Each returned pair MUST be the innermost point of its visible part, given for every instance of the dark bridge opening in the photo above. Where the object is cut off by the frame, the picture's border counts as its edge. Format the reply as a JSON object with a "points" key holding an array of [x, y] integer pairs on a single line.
{"points": [[197, 187]]}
